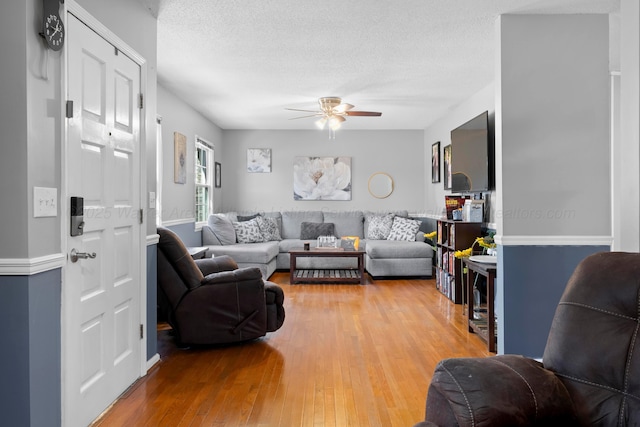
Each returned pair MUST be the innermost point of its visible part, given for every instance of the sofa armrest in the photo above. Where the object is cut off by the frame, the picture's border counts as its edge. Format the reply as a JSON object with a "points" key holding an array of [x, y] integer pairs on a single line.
{"points": [[216, 264], [498, 391]]}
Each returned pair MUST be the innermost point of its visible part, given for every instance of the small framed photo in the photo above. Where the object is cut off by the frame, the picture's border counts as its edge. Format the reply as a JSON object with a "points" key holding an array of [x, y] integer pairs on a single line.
{"points": [[218, 175], [447, 167], [179, 158], [259, 160], [435, 162]]}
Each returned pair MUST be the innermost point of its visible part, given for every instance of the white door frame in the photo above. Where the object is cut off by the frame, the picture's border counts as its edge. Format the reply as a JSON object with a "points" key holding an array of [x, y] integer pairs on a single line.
{"points": [[71, 7]]}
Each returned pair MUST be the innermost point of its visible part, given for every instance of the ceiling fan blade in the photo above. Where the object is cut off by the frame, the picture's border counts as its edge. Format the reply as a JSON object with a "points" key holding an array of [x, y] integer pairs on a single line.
{"points": [[304, 117], [306, 111], [362, 113]]}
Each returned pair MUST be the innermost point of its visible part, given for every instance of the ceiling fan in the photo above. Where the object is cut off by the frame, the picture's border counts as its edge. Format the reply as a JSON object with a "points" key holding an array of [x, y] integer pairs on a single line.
{"points": [[333, 112]]}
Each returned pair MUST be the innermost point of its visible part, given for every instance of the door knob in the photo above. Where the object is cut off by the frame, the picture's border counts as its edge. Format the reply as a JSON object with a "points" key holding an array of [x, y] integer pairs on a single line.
{"points": [[75, 255]]}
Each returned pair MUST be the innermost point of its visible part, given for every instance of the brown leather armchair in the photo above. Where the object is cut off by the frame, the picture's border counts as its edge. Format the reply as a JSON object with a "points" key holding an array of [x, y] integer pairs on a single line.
{"points": [[591, 370], [211, 300]]}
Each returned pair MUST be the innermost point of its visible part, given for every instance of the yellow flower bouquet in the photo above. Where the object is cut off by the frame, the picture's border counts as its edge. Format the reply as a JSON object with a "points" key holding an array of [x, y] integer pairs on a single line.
{"points": [[429, 238], [484, 242]]}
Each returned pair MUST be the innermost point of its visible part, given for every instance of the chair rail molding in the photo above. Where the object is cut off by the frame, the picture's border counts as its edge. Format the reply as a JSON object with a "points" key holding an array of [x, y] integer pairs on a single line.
{"points": [[30, 266], [554, 240]]}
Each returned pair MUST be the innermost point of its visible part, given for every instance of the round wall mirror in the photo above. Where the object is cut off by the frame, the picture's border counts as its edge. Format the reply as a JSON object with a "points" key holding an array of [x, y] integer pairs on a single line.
{"points": [[380, 185]]}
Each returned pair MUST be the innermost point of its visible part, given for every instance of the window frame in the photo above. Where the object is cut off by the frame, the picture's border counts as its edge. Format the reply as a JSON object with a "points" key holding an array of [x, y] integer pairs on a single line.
{"points": [[207, 148]]}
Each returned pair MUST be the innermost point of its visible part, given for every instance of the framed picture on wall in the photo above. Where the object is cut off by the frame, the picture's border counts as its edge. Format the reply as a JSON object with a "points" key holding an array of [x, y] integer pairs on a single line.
{"points": [[322, 178], [435, 162], [218, 175], [179, 158], [447, 167], [258, 160]]}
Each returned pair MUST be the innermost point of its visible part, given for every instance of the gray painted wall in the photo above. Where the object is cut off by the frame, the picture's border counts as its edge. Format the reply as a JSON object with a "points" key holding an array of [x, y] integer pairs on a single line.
{"points": [[552, 129], [398, 153], [552, 165], [177, 116], [440, 130]]}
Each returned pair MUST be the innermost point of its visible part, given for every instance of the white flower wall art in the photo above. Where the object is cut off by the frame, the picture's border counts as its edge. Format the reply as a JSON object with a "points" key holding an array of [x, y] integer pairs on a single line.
{"points": [[322, 178], [259, 160]]}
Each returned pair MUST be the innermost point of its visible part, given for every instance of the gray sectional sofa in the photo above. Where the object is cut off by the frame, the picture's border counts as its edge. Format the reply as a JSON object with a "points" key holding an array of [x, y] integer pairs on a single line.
{"points": [[393, 243]]}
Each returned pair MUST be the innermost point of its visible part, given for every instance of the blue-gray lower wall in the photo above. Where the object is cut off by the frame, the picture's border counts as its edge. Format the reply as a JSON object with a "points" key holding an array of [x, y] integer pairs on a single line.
{"points": [[530, 282], [152, 300], [187, 233], [30, 391]]}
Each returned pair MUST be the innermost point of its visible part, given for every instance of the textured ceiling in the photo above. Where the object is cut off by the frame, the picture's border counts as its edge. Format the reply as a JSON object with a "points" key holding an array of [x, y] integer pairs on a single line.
{"points": [[241, 63]]}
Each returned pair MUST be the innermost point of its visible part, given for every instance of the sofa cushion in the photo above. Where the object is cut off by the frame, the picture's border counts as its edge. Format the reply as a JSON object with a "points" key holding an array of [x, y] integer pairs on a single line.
{"points": [[291, 221], [313, 230], [394, 249], [269, 228], [404, 229], [248, 231], [379, 226], [257, 253], [222, 231], [348, 223]]}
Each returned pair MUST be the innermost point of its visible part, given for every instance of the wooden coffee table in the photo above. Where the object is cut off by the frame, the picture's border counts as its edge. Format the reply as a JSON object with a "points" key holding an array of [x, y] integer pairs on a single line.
{"points": [[343, 275]]}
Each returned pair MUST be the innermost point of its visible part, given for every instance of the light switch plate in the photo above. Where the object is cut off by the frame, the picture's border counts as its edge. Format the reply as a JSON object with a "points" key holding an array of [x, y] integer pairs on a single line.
{"points": [[152, 199], [45, 202]]}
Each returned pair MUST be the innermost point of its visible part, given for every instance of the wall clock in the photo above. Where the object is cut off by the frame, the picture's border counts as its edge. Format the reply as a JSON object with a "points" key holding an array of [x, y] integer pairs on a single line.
{"points": [[53, 28]]}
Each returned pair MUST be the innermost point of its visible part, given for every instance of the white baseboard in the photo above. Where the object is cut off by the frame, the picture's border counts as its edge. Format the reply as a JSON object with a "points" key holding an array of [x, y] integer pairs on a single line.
{"points": [[151, 362]]}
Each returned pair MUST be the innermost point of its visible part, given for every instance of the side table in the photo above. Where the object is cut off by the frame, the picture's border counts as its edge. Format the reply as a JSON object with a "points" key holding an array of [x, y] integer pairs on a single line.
{"points": [[197, 252], [485, 326]]}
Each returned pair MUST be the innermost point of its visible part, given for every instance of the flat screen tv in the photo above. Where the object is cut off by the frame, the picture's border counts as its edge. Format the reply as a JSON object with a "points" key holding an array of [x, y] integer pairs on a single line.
{"points": [[470, 156]]}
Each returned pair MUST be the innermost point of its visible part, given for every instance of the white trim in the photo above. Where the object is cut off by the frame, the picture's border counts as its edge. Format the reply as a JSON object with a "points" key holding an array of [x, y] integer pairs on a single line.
{"points": [[554, 240], [153, 239], [76, 10], [180, 221], [29, 266], [151, 362]]}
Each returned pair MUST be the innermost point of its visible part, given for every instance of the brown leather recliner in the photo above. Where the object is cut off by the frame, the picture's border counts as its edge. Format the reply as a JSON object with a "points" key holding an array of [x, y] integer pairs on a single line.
{"points": [[590, 375], [211, 300]]}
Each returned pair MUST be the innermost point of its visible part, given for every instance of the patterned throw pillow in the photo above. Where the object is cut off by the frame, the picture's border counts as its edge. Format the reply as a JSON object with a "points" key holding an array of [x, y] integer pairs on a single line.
{"points": [[268, 228], [248, 231], [404, 229], [379, 226]]}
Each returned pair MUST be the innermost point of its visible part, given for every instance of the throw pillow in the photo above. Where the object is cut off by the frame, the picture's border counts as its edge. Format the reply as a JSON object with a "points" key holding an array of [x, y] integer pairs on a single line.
{"points": [[379, 226], [222, 230], [248, 231], [350, 242], [313, 230], [242, 218], [404, 229], [269, 228]]}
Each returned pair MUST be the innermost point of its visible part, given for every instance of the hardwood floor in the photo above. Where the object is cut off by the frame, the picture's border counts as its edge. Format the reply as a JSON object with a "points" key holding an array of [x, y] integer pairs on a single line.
{"points": [[347, 355]]}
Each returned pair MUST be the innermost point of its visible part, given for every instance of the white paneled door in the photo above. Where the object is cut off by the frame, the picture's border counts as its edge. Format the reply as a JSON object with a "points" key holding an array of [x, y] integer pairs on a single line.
{"points": [[101, 294]]}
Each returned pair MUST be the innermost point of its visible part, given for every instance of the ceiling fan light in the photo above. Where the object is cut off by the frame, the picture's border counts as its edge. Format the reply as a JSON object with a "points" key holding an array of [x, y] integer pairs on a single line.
{"points": [[335, 122], [321, 122], [343, 107]]}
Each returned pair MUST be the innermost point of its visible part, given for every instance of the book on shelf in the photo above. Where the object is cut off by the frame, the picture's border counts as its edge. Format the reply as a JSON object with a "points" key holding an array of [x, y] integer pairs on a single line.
{"points": [[451, 263], [452, 236]]}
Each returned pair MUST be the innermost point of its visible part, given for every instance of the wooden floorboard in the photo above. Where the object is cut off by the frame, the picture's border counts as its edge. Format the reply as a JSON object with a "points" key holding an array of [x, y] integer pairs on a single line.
{"points": [[347, 355]]}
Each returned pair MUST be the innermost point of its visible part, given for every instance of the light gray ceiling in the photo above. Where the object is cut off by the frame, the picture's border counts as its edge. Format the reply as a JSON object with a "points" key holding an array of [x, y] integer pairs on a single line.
{"points": [[241, 63]]}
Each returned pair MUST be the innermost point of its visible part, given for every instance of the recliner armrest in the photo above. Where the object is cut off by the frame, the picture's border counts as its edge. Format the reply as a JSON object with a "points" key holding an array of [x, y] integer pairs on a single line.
{"points": [[216, 264], [498, 391], [239, 275]]}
